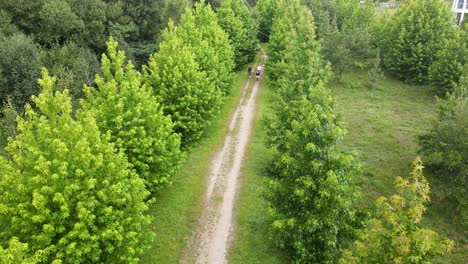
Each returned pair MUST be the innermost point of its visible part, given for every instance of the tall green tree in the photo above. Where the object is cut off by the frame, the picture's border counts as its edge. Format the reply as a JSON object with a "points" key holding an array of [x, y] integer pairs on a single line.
{"points": [[236, 20], [221, 72], [16, 252], [393, 234], [413, 37], [185, 92], [67, 193], [449, 64], [267, 13], [288, 16], [20, 60], [128, 110], [310, 181], [199, 30]]}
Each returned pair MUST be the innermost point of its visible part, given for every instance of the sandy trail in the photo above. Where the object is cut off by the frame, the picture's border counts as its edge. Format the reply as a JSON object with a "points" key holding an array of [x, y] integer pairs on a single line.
{"points": [[209, 243]]}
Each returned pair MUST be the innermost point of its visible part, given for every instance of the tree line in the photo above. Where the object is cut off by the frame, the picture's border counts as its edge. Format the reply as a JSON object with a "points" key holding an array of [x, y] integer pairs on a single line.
{"points": [[77, 173]]}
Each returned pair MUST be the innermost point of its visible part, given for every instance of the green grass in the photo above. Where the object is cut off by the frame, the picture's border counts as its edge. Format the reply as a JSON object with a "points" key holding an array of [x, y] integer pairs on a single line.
{"points": [[383, 126], [177, 208], [252, 244]]}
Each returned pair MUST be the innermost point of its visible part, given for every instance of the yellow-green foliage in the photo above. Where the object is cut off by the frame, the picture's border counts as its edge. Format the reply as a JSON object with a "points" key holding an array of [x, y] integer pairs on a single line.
{"points": [[393, 234], [127, 109], [66, 191]]}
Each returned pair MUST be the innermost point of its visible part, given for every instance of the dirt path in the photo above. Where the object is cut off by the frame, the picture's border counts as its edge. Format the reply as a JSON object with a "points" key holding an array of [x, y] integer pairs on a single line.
{"points": [[209, 243]]}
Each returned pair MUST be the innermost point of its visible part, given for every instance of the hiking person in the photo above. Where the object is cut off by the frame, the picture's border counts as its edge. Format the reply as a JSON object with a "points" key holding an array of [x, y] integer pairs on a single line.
{"points": [[257, 75], [249, 70]]}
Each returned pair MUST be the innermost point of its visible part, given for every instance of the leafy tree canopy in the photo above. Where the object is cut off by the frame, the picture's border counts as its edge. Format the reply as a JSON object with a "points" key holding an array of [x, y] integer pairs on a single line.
{"points": [[66, 192], [128, 110]]}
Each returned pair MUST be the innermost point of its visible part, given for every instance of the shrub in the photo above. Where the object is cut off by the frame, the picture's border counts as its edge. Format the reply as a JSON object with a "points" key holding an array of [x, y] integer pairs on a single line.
{"points": [[445, 146]]}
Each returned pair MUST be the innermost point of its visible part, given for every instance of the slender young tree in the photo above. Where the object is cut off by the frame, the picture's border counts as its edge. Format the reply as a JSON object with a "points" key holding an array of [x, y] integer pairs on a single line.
{"points": [[128, 110], [67, 192], [394, 234]]}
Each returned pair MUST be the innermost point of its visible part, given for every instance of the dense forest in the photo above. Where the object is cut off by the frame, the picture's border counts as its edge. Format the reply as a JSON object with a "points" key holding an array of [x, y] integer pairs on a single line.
{"points": [[104, 102]]}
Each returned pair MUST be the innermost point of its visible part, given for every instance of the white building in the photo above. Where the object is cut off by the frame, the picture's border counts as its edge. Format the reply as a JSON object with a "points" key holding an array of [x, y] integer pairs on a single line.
{"points": [[460, 7]]}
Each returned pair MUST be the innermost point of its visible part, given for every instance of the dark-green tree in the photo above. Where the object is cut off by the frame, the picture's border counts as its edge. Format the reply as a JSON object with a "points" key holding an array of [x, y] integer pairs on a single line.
{"points": [[341, 14], [267, 14], [20, 60], [236, 19], [66, 192], [393, 234], [73, 66], [449, 63], [412, 38], [347, 49], [128, 110]]}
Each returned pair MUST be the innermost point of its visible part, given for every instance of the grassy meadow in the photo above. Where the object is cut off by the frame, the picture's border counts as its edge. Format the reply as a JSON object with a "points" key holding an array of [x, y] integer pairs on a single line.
{"points": [[383, 125]]}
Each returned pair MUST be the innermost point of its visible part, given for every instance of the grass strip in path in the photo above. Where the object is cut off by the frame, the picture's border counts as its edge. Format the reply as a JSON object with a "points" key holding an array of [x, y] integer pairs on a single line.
{"points": [[177, 208], [251, 243]]}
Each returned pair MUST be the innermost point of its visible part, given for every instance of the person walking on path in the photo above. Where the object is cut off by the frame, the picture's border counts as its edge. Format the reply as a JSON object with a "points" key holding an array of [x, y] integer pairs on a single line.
{"points": [[249, 70]]}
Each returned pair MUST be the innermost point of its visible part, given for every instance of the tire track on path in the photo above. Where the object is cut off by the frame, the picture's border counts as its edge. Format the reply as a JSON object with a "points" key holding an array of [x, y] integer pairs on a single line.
{"points": [[210, 241]]}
